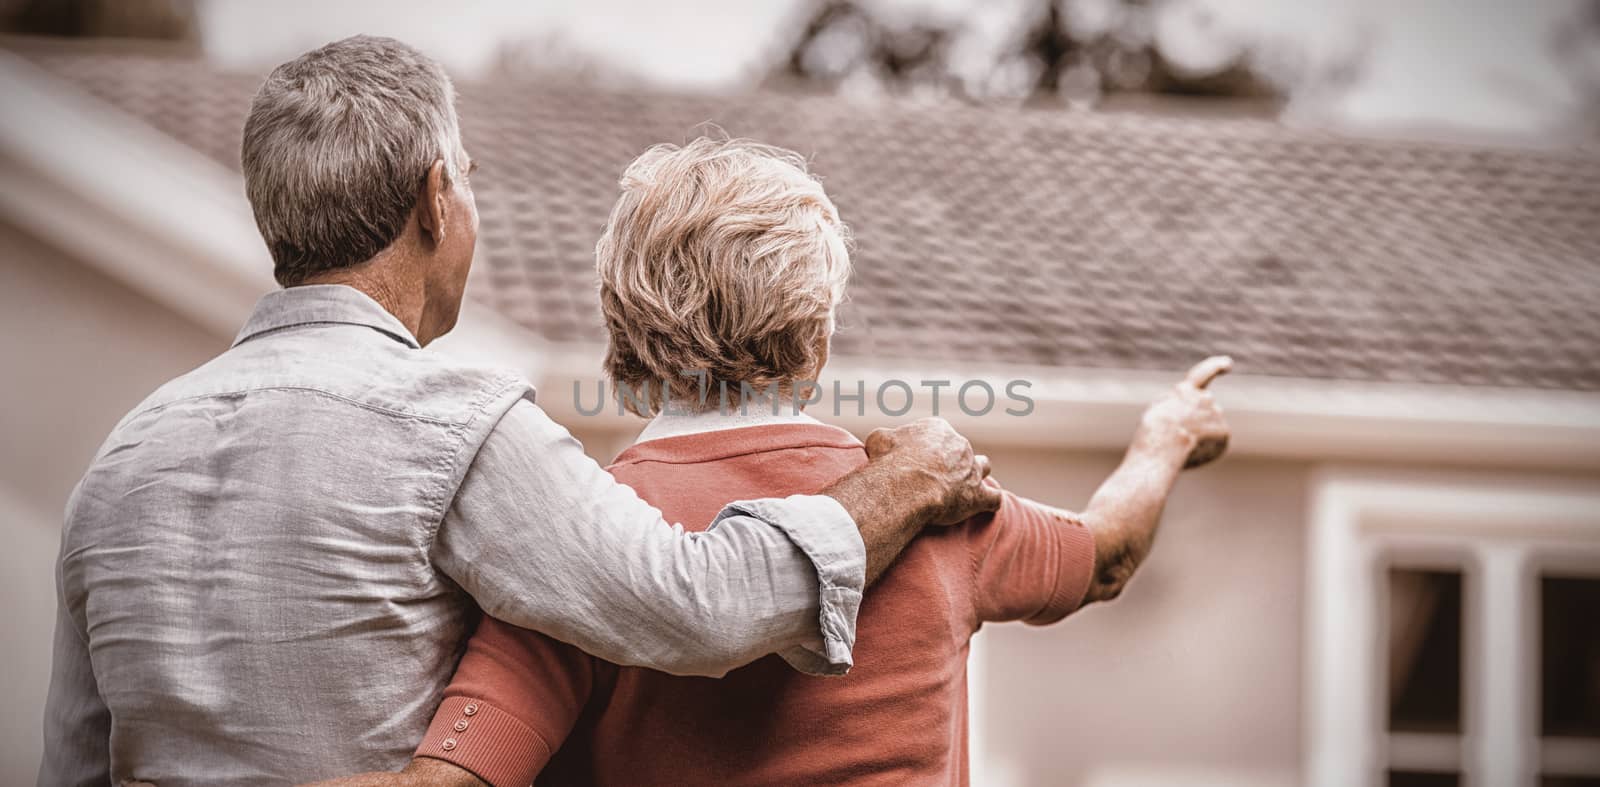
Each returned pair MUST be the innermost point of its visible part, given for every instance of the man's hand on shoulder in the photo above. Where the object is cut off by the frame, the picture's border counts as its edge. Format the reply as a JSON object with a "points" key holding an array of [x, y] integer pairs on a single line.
{"points": [[936, 466], [919, 474]]}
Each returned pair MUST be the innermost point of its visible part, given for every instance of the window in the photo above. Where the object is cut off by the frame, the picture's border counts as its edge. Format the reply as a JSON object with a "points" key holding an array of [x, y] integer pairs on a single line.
{"points": [[1569, 656], [1424, 651], [1451, 633], [1422, 779]]}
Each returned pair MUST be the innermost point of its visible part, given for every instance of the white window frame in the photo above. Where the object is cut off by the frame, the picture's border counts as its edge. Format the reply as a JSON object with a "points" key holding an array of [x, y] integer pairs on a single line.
{"points": [[1503, 534]]}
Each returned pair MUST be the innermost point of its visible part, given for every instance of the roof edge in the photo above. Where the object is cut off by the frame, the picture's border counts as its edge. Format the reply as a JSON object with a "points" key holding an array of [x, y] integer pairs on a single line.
{"points": [[137, 204], [1098, 409]]}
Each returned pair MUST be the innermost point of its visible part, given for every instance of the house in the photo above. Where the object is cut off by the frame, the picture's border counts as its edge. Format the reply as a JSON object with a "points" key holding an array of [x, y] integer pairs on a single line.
{"points": [[1392, 579]]}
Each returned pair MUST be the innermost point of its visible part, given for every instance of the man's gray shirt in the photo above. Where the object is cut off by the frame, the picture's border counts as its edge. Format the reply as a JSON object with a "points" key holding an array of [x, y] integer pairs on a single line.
{"points": [[268, 571]]}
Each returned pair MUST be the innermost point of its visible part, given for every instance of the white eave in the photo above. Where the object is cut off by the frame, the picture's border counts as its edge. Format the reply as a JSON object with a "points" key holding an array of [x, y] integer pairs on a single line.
{"points": [[175, 225], [1097, 409]]}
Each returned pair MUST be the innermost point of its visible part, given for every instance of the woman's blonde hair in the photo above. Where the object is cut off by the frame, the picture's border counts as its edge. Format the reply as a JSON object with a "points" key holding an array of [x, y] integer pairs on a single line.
{"points": [[722, 262]]}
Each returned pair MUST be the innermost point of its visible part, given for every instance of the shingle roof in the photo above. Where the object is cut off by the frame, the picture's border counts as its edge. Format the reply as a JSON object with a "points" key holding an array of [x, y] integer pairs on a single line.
{"points": [[1046, 237]]}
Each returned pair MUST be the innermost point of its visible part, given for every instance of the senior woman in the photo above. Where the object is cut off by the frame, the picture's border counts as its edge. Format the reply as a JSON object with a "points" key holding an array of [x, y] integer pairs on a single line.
{"points": [[726, 258]]}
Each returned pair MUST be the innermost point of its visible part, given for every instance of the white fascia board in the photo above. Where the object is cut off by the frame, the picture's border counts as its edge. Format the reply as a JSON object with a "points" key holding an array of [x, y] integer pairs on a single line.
{"points": [[156, 214], [1098, 409], [145, 208]]}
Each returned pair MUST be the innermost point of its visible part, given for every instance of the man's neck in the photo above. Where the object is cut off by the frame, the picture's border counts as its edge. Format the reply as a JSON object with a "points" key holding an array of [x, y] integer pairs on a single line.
{"points": [[378, 279]]}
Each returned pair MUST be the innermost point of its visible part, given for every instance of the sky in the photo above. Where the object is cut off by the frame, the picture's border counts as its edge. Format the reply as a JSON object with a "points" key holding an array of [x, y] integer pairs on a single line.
{"points": [[1486, 65], [1477, 67]]}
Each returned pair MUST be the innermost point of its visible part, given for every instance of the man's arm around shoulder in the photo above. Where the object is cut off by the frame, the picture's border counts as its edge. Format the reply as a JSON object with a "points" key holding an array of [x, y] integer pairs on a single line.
{"points": [[542, 537]]}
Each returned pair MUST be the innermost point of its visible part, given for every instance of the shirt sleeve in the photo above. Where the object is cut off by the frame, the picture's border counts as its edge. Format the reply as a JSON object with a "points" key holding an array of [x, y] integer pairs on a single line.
{"points": [[544, 538], [1031, 562], [512, 703], [77, 725]]}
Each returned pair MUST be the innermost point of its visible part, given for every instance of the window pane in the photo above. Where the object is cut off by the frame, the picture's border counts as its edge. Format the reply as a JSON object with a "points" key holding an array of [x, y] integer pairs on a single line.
{"points": [[1570, 656], [1424, 651], [1421, 779]]}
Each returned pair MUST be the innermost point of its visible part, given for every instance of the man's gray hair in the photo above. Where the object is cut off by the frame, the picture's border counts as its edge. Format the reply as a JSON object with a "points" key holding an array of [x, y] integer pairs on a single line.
{"points": [[337, 147]]}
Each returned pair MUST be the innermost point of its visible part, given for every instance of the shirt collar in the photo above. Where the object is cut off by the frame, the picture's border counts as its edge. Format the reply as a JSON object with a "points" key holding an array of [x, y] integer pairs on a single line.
{"points": [[322, 304], [676, 423], [738, 440]]}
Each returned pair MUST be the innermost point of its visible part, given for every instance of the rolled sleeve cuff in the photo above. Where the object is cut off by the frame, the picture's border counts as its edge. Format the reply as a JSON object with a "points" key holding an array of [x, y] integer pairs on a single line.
{"points": [[1074, 571], [826, 533], [493, 744]]}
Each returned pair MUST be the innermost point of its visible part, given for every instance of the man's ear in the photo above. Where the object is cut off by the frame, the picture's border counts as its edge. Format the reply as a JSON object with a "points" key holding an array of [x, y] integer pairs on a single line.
{"points": [[432, 205]]}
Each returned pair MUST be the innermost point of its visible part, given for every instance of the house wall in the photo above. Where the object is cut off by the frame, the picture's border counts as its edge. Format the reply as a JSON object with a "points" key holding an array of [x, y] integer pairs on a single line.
{"points": [[78, 350], [1195, 668]]}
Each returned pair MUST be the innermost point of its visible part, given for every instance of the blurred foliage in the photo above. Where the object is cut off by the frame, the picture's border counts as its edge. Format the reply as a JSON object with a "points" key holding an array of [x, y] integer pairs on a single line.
{"points": [[1048, 54], [159, 19]]}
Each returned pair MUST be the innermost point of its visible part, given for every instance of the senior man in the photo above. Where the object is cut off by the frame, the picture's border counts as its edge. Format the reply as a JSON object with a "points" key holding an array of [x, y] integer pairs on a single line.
{"points": [[268, 571]]}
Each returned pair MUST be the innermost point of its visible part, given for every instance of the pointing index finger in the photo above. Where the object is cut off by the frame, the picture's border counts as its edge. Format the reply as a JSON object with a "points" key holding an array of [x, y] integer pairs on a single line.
{"points": [[1210, 369]]}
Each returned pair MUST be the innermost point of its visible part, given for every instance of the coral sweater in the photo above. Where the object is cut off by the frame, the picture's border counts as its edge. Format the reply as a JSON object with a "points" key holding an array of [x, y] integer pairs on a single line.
{"points": [[523, 706]]}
